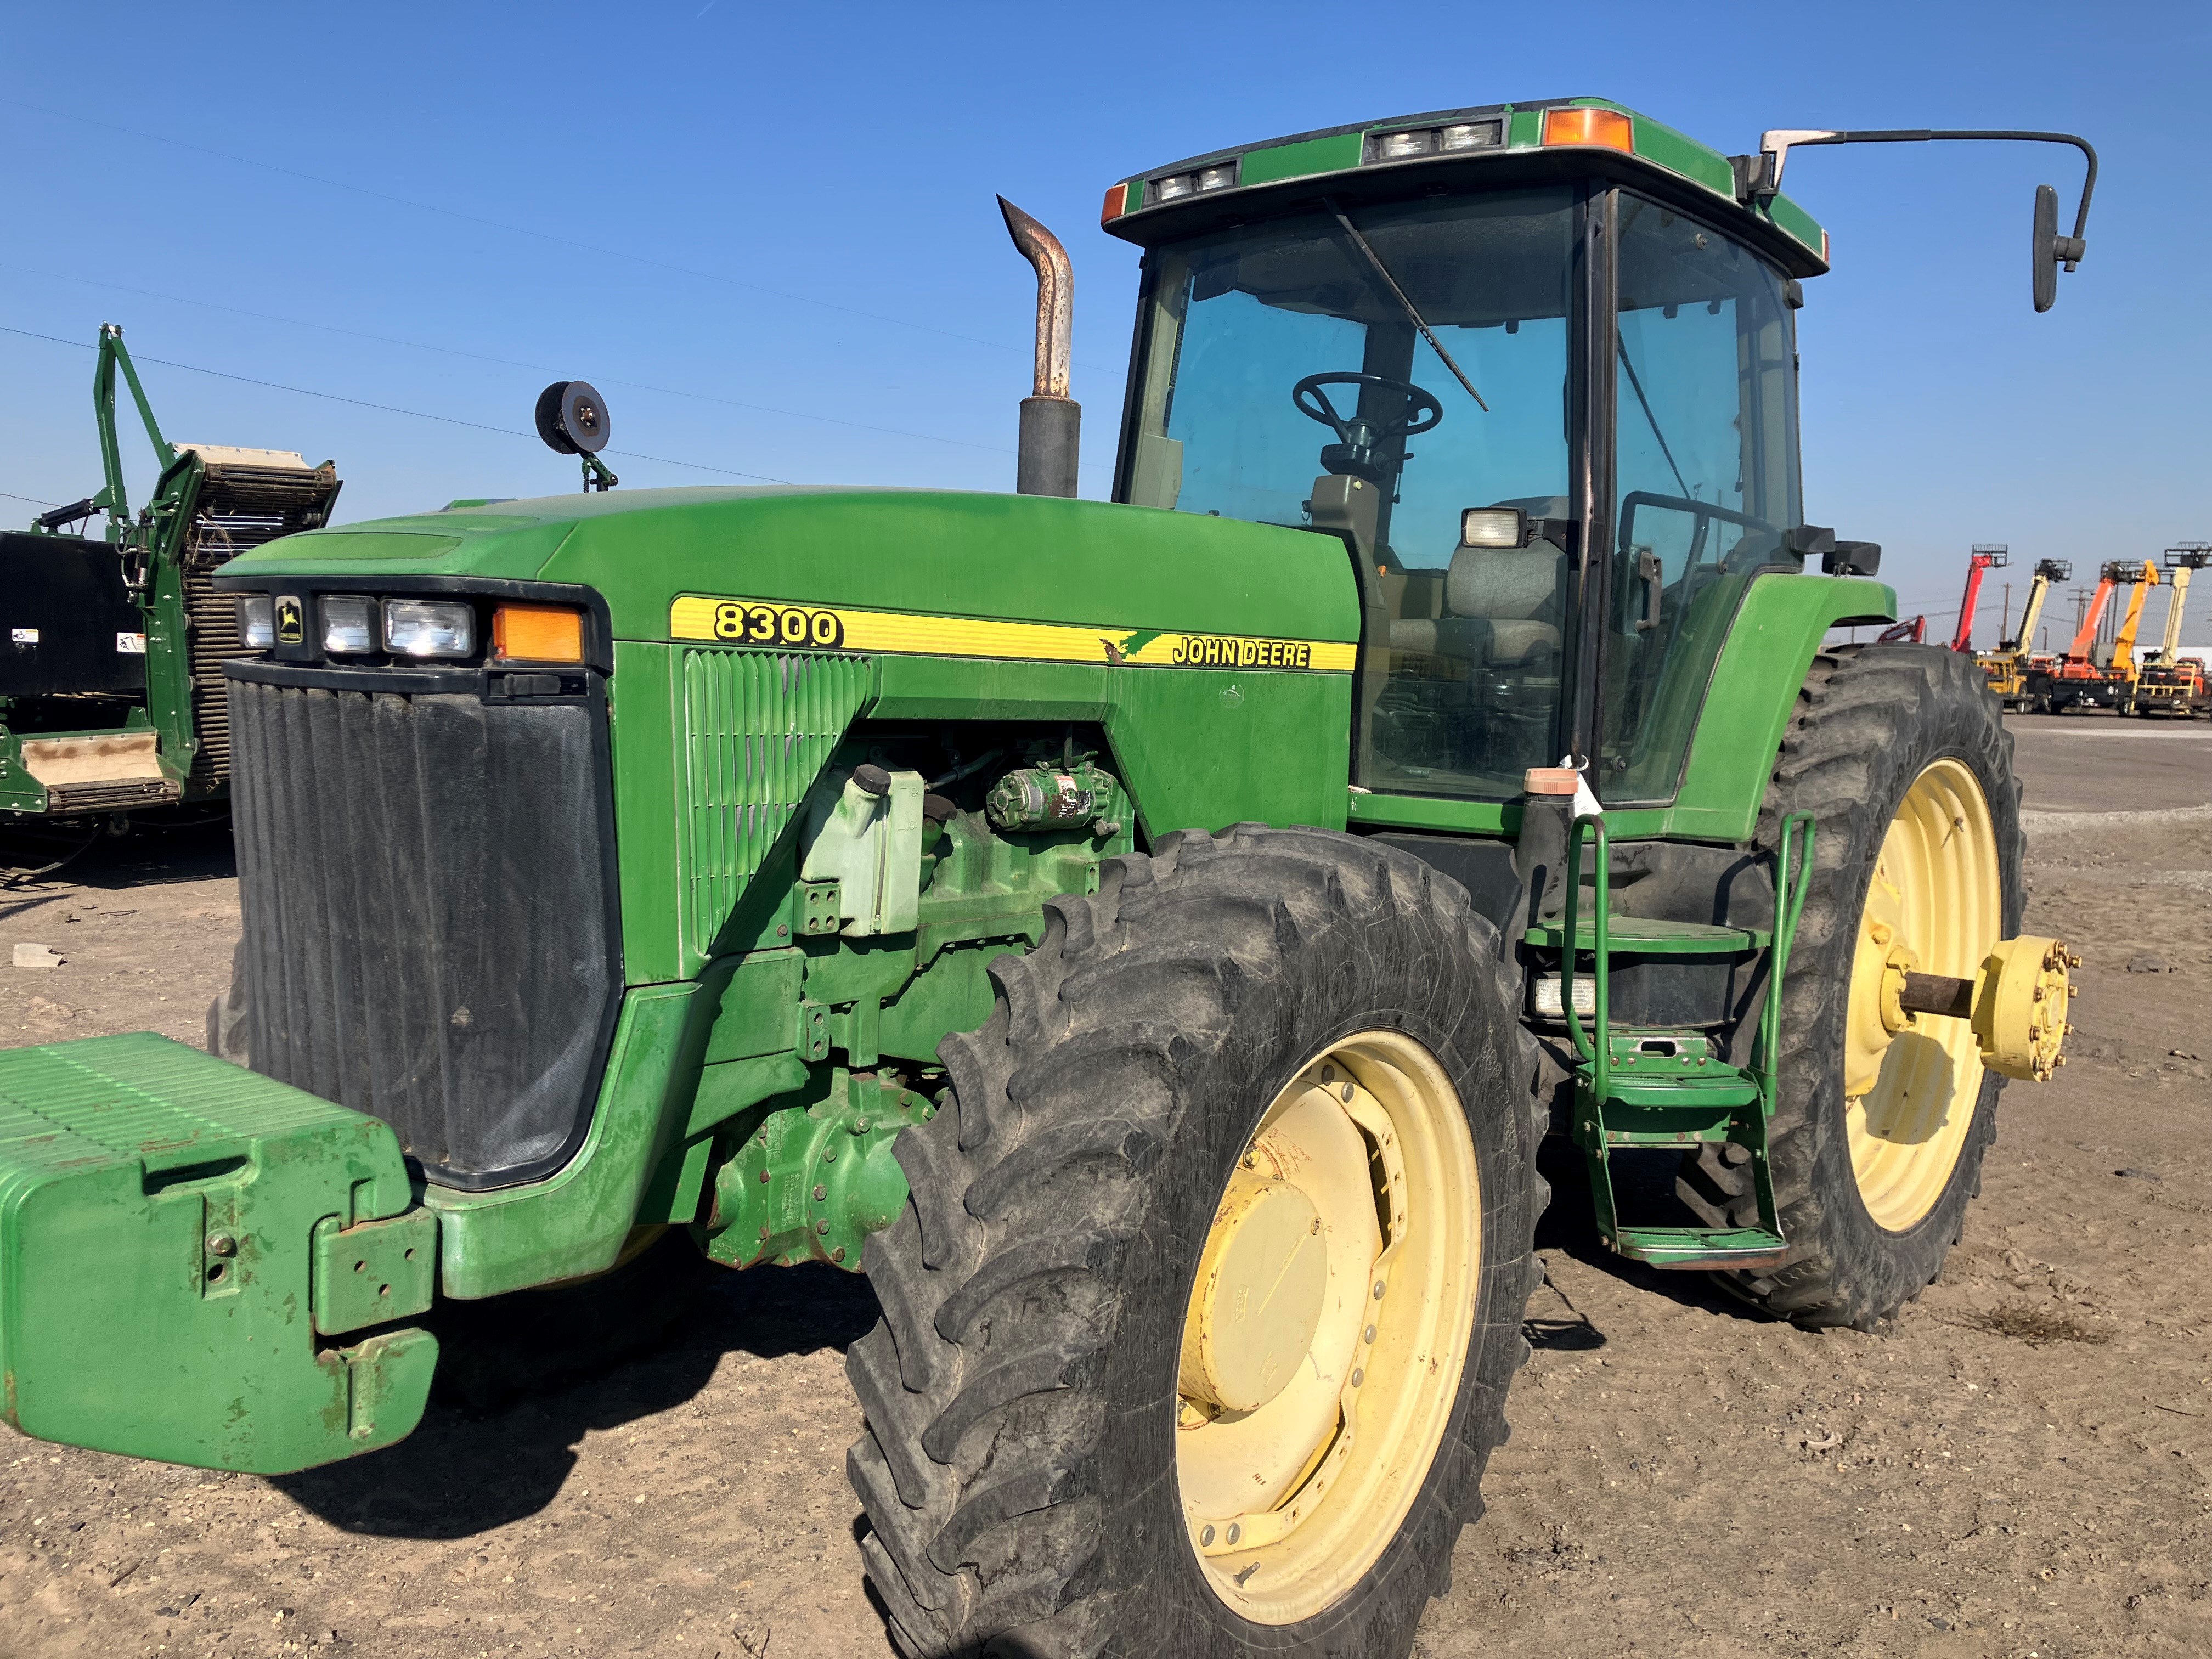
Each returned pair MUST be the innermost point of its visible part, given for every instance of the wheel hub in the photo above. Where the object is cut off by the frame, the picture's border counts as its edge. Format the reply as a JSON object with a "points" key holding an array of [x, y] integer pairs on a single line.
{"points": [[1937, 996], [2021, 998], [1327, 1327], [1258, 1304]]}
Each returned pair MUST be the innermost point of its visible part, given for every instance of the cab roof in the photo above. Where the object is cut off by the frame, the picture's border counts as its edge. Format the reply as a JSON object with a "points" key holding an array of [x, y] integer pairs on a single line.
{"points": [[1482, 145]]}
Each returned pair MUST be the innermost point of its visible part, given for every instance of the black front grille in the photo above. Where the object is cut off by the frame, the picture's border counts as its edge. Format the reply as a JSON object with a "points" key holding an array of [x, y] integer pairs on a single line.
{"points": [[430, 921]]}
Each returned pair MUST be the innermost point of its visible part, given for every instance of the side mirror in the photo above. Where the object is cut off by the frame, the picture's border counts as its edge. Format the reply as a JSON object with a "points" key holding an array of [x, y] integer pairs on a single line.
{"points": [[2050, 250], [2045, 248]]}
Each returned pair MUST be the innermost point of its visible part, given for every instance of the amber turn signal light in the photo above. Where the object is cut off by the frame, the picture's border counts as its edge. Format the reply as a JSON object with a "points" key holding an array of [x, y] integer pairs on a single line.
{"points": [[1609, 128], [537, 633]]}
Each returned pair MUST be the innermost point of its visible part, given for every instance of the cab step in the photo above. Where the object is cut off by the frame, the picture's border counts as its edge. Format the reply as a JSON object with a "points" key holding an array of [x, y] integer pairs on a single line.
{"points": [[1642, 1089], [1704, 1248], [1652, 936]]}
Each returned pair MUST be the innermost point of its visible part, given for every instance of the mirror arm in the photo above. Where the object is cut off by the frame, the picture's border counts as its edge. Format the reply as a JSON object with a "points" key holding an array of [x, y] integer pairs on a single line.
{"points": [[1762, 178]]}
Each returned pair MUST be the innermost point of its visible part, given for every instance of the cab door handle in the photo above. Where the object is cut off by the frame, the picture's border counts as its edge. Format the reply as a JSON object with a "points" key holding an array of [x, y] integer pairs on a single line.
{"points": [[1653, 576]]}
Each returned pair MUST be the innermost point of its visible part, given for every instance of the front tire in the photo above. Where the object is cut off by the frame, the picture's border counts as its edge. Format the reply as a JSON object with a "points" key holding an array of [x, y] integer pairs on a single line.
{"points": [[1153, 1074], [1900, 753]]}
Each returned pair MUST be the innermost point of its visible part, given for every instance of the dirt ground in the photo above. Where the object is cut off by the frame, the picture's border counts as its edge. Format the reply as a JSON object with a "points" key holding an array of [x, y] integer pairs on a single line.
{"points": [[2014, 1470]]}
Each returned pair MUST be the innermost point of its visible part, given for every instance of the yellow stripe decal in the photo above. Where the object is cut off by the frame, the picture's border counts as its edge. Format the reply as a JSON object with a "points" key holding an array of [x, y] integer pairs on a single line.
{"points": [[767, 625]]}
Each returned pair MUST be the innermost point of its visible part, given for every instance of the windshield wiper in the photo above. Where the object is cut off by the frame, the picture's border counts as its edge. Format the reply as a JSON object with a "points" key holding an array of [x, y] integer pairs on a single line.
{"points": [[1406, 305]]}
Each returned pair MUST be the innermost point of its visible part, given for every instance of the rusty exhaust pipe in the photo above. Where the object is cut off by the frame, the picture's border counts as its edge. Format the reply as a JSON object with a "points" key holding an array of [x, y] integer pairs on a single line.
{"points": [[1052, 422]]}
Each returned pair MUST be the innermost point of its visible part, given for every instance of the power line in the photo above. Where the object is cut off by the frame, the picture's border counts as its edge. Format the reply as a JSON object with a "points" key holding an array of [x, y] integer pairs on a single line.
{"points": [[517, 230], [507, 362], [389, 409], [34, 499]]}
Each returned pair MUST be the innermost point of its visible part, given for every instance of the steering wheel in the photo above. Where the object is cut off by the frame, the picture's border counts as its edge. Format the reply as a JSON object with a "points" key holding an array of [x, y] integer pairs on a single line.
{"points": [[1357, 439]]}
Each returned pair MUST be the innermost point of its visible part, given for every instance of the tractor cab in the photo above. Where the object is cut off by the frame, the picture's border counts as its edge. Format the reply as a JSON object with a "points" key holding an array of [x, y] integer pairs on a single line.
{"points": [[1537, 365]]}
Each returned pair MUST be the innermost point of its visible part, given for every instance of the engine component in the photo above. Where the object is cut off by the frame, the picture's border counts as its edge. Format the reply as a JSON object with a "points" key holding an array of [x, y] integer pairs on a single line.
{"points": [[1055, 798]]}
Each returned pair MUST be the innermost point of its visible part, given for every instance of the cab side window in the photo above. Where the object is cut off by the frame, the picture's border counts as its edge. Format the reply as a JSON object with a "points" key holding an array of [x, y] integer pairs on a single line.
{"points": [[1707, 479]]}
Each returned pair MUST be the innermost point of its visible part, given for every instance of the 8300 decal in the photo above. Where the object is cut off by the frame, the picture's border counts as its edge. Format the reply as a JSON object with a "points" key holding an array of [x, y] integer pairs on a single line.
{"points": [[771, 625], [778, 624]]}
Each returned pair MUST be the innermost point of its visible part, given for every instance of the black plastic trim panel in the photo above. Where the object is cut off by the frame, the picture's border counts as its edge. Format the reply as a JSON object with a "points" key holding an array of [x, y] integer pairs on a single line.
{"points": [[432, 908]]}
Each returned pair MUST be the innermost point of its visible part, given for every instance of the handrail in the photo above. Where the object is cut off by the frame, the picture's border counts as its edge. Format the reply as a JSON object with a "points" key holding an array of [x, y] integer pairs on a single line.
{"points": [[1599, 1055], [1792, 868], [1789, 887]]}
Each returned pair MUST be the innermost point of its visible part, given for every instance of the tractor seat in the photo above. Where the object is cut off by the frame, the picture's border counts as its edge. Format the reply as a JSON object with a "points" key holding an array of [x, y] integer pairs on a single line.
{"points": [[1501, 604]]}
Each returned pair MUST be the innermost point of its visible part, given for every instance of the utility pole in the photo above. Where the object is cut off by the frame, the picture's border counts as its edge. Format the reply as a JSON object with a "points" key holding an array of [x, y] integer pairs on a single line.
{"points": [[2080, 608], [2004, 617]]}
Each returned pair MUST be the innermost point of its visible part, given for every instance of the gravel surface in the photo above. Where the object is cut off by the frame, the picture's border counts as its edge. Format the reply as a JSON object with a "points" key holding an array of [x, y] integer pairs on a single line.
{"points": [[2012, 1470]]}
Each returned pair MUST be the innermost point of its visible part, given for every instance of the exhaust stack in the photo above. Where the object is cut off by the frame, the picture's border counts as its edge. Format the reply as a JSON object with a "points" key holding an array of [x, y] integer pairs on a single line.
{"points": [[1052, 422]]}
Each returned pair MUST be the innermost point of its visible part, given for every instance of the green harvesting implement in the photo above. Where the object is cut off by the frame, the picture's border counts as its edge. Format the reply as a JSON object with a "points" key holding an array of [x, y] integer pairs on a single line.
{"points": [[1150, 938], [112, 700]]}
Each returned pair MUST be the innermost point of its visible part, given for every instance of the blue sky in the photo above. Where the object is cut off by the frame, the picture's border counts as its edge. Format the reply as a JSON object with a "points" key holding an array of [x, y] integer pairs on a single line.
{"points": [[767, 232]]}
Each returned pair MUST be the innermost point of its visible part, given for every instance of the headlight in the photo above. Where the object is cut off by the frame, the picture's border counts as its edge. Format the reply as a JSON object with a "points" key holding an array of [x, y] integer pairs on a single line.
{"points": [[349, 625], [1217, 177], [1397, 146], [257, 621], [1174, 186], [1473, 135], [1493, 527], [429, 628]]}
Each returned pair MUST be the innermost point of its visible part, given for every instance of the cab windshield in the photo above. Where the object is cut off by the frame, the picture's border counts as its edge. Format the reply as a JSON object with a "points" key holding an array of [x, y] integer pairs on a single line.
{"points": [[1275, 353]]}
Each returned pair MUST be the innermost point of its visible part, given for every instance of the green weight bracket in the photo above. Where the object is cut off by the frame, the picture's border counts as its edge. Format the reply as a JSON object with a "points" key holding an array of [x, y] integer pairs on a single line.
{"points": [[203, 1266]]}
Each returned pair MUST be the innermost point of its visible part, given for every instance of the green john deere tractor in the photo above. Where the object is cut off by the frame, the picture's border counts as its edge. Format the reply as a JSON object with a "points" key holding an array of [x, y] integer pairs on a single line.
{"points": [[112, 700], [1150, 938]]}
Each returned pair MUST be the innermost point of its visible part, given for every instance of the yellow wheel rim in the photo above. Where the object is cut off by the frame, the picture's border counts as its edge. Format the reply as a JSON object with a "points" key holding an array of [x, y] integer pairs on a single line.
{"points": [[1935, 906], [1326, 1334]]}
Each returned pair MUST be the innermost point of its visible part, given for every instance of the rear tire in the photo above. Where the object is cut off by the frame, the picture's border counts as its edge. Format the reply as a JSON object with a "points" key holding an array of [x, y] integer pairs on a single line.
{"points": [[1870, 724], [1019, 1470]]}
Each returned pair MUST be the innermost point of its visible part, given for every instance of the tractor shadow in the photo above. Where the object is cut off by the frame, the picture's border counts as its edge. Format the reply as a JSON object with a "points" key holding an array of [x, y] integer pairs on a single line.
{"points": [[467, 1471], [1645, 1189], [152, 855]]}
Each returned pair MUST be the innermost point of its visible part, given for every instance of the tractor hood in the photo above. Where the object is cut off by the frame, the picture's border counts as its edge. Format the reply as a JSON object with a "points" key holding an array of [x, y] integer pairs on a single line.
{"points": [[934, 552]]}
